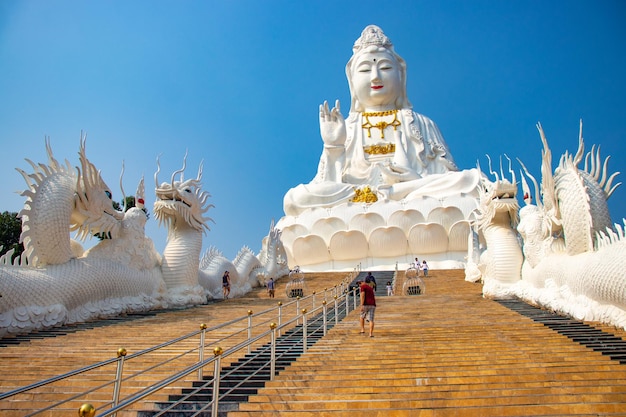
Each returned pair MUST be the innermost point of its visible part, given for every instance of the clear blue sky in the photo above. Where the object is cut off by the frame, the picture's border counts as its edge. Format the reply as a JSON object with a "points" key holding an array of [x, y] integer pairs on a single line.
{"points": [[238, 84]]}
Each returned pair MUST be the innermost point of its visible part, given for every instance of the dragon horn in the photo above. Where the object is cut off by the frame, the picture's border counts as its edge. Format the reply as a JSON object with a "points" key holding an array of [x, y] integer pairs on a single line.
{"points": [[199, 178], [156, 174], [491, 171], [122, 186], [513, 179], [180, 171]]}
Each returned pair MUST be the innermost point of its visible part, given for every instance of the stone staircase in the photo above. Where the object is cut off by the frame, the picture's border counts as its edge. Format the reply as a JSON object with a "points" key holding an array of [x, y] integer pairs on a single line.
{"points": [[242, 378], [447, 352]]}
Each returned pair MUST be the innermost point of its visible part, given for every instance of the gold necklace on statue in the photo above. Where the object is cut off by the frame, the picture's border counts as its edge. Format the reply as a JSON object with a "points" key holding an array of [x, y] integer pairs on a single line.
{"points": [[382, 124]]}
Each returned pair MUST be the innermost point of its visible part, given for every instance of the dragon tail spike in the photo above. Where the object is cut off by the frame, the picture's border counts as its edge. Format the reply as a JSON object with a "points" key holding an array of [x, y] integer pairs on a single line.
{"points": [[47, 170], [26, 177], [581, 146], [605, 170], [48, 148], [31, 163], [83, 139], [82, 153], [610, 192], [546, 149], [619, 229], [587, 162], [595, 154], [607, 186], [593, 167]]}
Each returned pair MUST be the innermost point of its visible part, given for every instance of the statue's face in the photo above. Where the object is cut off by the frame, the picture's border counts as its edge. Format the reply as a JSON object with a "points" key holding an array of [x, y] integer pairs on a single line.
{"points": [[376, 79]]}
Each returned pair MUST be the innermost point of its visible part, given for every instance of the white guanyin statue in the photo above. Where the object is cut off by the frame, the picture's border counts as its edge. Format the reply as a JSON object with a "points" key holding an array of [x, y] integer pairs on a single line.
{"points": [[387, 159]]}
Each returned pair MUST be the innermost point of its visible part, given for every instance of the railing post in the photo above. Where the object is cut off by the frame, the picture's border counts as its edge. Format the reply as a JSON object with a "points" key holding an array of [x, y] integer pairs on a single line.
{"points": [[297, 309], [217, 352], [201, 351], [249, 328], [273, 351], [121, 354], [280, 315], [347, 302], [313, 301], [336, 312], [304, 331], [354, 298], [325, 318]]}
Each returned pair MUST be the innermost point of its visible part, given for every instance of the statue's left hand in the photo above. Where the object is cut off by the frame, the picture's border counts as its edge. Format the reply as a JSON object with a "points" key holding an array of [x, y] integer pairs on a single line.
{"points": [[395, 173]]}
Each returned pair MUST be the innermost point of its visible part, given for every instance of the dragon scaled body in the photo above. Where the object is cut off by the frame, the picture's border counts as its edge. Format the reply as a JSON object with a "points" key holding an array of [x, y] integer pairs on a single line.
{"points": [[247, 270], [573, 257], [56, 282]]}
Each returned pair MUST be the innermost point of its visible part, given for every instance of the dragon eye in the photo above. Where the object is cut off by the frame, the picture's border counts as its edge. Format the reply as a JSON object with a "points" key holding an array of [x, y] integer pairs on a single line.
{"points": [[108, 193], [187, 190]]}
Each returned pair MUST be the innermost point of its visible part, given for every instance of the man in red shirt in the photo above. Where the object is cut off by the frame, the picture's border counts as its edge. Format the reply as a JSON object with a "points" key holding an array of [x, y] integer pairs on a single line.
{"points": [[368, 305]]}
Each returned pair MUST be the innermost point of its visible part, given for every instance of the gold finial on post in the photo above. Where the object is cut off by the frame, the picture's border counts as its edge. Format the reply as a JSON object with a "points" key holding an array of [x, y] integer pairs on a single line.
{"points": [[87, 410]]}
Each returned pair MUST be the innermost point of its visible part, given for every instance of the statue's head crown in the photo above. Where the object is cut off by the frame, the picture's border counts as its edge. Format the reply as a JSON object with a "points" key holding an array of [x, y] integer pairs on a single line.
{"points": [[372, 35]]}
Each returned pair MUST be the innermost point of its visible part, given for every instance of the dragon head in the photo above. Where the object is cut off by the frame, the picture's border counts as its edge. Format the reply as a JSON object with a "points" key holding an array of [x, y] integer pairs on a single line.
{"points": [[181, 200], [93, 203], [497, 196]]}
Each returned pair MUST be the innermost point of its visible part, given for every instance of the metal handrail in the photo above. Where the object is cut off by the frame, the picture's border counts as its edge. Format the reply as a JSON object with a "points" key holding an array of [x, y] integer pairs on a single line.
{"points": [[299, 307], [163, 384]]}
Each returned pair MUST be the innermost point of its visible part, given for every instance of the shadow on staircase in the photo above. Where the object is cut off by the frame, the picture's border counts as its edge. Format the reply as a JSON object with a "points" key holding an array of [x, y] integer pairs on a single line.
{"points": [[586, 335]]}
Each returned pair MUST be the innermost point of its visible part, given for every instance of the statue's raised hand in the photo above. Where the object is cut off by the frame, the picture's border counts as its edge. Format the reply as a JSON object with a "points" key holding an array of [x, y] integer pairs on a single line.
{"points": [[332, 125]]}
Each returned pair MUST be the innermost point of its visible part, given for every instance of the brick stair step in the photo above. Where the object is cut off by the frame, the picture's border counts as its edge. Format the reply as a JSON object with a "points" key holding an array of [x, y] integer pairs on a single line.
{"points": [[475, 357]]}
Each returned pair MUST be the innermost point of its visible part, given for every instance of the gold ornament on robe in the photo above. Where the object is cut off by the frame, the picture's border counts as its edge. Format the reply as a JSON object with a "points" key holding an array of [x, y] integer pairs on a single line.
{"points": [[381, 125], [364, 195], [380, 149]]}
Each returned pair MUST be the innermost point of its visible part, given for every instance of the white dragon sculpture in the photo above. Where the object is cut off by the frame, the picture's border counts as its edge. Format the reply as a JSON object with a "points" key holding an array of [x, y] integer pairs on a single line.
{"points": [[56, 282], [573, 257]]}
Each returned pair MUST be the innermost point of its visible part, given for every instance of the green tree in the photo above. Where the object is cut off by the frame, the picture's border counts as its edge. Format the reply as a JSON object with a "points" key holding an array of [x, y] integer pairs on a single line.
{"points": [[10, 229]]}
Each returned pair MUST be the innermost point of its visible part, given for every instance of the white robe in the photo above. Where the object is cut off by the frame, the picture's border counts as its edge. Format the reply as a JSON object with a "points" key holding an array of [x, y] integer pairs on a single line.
{"points": [[422, 150]]}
